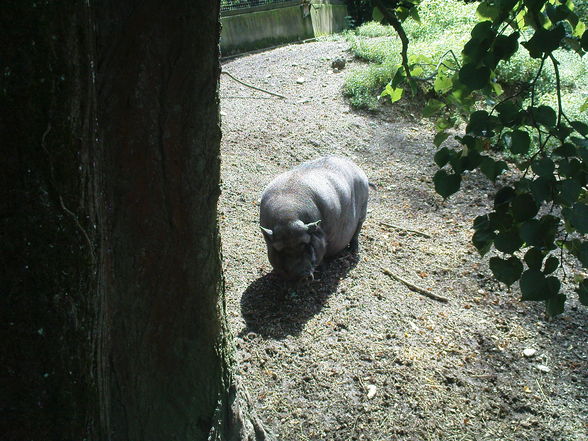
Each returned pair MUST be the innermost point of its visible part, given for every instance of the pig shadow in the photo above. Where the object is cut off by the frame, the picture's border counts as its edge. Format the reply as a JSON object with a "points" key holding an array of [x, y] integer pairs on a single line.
{"points": [[275, 309]]}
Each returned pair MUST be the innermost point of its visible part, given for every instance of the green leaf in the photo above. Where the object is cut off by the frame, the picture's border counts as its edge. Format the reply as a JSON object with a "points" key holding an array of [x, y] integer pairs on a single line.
{"points": [[506, 46], [416, 71], [582, 291], [474, 50], [377, 15], [569, 191], [481, 124], [508, 241], [468, 159], [580, 127], [540, 233], [487, 10], [443, 156], [581, 142], [439, 138], [534, 258], [446, 184], [394, 93], [497, 88], [543, 167], [556, 14], [580, 250], [584, 106], [399, 77], [524, 207], [402, 13], [561, 131], [571, 168], [414, 13], [503, 197], [444, 123], [544, 115], [551, 264], [579, 217], [482, 240], [474, 77], [432, 107], [542, 189], [509, 113], [506, 271], [520, 142], [579, 29], [545, 41], [491, 168], [442, 83], [555, 304], [584, 42], [501, 220], [481, 223], [565, 150], [553, 285], [534, 285], [483, 30], [534, 5]]}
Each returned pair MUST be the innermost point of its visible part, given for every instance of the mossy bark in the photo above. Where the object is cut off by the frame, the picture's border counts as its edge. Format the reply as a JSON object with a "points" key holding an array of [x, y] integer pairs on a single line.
{"points": [[114, 298]]}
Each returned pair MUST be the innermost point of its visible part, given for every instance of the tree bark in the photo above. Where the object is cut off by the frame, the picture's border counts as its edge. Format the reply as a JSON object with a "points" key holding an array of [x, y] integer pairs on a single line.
{"points": [[115, 302]]}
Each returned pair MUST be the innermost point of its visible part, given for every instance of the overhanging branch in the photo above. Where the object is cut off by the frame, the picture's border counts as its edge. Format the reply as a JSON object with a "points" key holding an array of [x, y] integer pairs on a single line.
{"points": [[395, 23]]}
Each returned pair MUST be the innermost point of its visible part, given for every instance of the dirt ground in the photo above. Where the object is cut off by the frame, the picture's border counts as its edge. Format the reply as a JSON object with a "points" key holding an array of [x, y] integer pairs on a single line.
{"points": [[357, 355]]}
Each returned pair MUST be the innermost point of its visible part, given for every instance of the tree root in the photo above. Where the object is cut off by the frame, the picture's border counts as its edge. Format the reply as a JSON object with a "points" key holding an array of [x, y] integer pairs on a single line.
{"points": [[396, 227], [252, 87], [415, 288]]}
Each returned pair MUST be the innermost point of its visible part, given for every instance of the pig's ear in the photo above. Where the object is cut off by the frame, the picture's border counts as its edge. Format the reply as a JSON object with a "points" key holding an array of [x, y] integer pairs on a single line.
{"points": [[267, 232], [313, 226]]}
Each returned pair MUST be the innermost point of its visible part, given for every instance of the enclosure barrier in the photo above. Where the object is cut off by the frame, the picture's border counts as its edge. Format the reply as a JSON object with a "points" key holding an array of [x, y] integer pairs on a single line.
{"points": [[274, 22]]}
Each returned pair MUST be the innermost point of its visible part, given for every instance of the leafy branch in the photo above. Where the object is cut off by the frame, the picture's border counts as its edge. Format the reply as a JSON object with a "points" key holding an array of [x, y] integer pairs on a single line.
{"points": [[544, 209]]}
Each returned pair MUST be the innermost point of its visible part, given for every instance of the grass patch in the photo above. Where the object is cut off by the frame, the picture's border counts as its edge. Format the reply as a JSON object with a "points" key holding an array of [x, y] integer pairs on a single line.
{"points": [[444, 25]]}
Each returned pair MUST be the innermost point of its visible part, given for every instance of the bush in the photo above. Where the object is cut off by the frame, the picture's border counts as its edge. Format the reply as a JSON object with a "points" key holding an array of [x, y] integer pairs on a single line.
{"points": [[364, 85]]}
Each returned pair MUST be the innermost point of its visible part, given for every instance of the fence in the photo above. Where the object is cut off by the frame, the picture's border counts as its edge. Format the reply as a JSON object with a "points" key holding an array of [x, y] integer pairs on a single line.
{"points": [[264, 23], [230, 5]]}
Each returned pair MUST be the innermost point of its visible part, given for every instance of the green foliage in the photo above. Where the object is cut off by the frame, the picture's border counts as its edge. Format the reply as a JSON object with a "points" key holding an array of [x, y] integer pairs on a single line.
{"points": [[363, 86], [535, 135], [519, 88], [373, 29], [443, 26]]}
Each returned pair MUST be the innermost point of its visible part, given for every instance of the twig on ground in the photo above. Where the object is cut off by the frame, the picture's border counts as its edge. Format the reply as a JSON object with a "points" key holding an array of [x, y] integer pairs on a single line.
{"points": [[414, 287], [396, 227], [253, 87]]}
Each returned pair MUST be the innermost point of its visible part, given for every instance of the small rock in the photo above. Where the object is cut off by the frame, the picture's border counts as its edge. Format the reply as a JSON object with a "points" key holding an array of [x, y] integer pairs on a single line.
{"points": [[543, 368], [371, 391], [338, 63], [529, 352], [300, 80]]}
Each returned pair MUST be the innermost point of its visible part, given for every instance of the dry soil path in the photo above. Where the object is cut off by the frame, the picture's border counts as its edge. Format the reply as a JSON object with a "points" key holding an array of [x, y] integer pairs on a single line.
{"points": [[357, 354]]}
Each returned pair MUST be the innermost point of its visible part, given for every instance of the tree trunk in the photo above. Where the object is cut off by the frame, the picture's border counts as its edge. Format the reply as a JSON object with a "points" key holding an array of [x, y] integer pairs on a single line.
{"points": [[114, 297]]}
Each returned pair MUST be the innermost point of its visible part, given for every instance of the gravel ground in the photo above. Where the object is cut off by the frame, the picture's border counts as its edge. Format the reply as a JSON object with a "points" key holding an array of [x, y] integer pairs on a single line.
{"points": [[357, 355]]}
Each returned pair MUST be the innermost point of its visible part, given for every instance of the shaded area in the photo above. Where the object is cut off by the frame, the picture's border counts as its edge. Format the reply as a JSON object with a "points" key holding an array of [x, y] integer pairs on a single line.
{"points": [[275, 309]]}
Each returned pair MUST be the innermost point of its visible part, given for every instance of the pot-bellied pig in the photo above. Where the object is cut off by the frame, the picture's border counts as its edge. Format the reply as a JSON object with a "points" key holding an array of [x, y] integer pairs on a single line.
{"points": [[311, 212]]}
